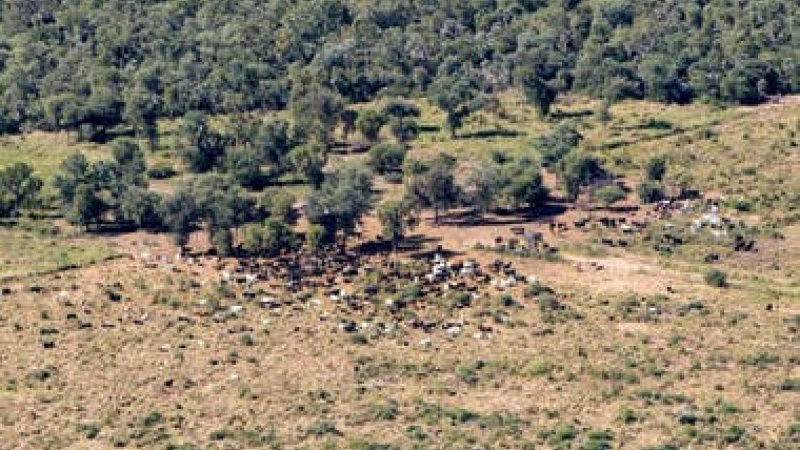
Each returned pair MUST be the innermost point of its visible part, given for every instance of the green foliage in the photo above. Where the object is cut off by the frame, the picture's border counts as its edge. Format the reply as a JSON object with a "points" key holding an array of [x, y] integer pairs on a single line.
{"points": [[609, 194], [385, 158], [650, 191], [558, 143], [315, 109], [181, 213], [525, 184], [538, 91], [716, 278], [483, 186], [396, 217], [457, 97], [201, 146], [244, 165], [213, 200], [342, 199], [578, 169], [315, 237], [308, 160], [655, 168], [404, 129], [141, 207], [369, 124], [432, 185], [316, 56], [19, 189], [279, 204], [270, 239]]}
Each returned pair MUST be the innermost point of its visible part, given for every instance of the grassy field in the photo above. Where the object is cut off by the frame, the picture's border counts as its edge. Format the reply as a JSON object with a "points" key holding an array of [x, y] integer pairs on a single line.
{"points": [[695, 369], [629, 348], [34, 247]]}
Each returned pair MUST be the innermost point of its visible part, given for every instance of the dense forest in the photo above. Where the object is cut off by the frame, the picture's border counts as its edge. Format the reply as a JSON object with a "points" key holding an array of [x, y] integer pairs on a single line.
{"points": [[89, 65]]}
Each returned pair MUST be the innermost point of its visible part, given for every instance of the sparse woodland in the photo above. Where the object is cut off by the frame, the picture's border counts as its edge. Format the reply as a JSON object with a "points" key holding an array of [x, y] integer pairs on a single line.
{"points": [[400, 225]]}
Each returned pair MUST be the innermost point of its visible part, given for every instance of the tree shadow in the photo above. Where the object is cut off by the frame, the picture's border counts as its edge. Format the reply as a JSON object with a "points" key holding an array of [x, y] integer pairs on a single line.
{"points": [[347, 148], [486, 134], [504, 217], [559, 114], [429, 128], [411, 246]]}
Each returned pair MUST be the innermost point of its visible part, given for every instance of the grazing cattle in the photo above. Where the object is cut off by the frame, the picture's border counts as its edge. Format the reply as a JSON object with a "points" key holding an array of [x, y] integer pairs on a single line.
{"points": [[581, 223], [608, 222], [608, 241]]}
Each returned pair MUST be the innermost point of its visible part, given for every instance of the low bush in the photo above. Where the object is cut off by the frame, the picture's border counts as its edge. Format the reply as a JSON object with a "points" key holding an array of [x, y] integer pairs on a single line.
{"points": [[716, 278]]}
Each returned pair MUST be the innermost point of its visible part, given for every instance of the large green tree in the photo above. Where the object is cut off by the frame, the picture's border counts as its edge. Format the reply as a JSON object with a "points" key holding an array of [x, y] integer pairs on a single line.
{"points": [[19, 189]]}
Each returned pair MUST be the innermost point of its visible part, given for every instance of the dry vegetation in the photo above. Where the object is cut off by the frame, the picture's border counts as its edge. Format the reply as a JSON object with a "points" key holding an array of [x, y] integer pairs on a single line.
{"points": [[629, 348]]}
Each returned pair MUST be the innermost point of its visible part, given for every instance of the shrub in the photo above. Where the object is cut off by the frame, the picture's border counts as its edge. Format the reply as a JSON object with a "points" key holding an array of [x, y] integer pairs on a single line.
{"points": [[394, 177], [161, 172], [598, 440], [385, 158], [322, 428], [609, 194], [538, 368], [655, 168], [716, 278], [650, 191]]}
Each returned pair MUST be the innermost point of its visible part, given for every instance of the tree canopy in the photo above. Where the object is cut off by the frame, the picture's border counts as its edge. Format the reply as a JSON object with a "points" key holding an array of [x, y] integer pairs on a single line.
{"points": [[88, 66]]}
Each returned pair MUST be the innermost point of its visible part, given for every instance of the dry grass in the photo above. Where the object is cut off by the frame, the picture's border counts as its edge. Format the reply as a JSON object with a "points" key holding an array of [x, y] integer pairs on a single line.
{"points": [[643, 349]]}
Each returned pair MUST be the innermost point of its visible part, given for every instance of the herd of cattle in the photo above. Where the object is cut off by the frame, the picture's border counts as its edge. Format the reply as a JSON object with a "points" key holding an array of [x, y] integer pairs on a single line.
{"points": [[375, 295]]}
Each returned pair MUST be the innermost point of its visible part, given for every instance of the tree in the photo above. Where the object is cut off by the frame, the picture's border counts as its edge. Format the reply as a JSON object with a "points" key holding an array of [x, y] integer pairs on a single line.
{"points": [[369, 124], [396, 217], [538, 92], [655, 168], [244, 165], [349, 119], [434, 186], [75, 169], [315, 110], [308, 160], [456, 97], [279, 204], [342, 199], [142, 208], [525, 184], [143, 107], [483, 186], [315, 236], [269, 239], [86, 207], [181, 214], [404, 129], [400, 109], [384, 158], [650, 191], [222, 204], [578, 169], [555, 145], [222, 240], [130, 163], [200, 145], [273, 142], [609, 194], [19, 189]]}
